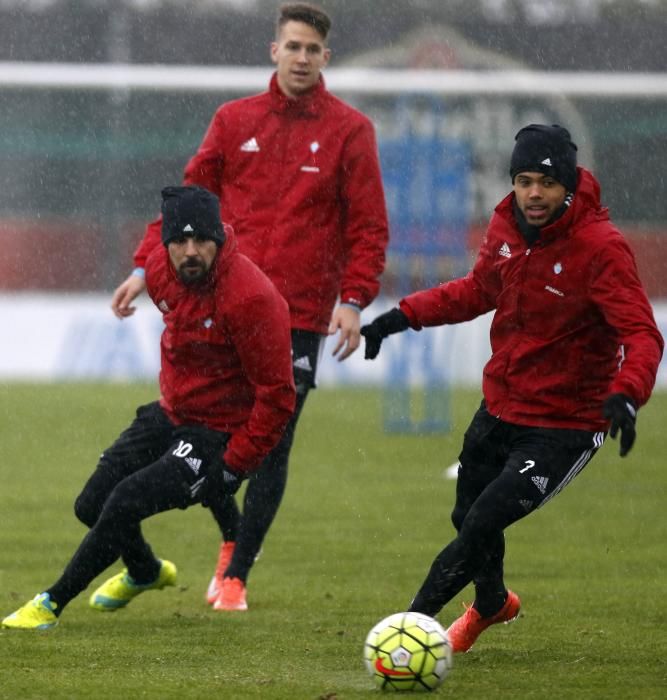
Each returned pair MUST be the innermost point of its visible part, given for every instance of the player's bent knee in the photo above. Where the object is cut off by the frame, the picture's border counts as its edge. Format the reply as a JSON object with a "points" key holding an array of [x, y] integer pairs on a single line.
{"points": [[458, 516], [86, 509]]}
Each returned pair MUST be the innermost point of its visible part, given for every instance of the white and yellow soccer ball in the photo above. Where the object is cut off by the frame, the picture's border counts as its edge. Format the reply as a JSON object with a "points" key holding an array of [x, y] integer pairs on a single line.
{"points": [[408, 651]]}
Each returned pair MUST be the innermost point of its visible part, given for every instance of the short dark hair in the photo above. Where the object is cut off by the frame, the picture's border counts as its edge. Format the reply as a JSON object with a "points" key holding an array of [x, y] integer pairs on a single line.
{"points": [[304, 12]]}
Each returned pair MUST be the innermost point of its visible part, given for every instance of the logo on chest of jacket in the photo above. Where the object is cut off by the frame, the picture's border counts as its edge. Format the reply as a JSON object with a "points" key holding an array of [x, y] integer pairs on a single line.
{"points": [[553, 290], [250, 146], [505, 250], [208, 323], [314, 148]]}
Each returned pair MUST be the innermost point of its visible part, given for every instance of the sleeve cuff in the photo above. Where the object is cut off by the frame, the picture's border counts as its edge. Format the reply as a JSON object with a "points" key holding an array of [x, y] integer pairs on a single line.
{"points": [[410, 315], [352, 298], [351, 305]]}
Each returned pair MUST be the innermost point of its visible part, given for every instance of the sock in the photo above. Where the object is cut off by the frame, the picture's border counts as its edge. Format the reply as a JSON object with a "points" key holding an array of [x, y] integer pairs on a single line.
{"points": [[56, 607]]}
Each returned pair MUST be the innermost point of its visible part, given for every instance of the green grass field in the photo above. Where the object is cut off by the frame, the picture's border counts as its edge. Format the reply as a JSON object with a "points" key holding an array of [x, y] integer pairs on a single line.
{"points": [[364, 514]]}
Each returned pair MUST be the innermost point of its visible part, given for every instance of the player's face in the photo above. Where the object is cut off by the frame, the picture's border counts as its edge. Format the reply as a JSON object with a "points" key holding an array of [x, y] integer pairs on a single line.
{"points": [[299, 53], [538, 196], [192, 258]]}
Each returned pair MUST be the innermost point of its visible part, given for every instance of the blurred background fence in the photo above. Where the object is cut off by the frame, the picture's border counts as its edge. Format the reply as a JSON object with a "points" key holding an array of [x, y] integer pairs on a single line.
{"points": [[86, 149]]}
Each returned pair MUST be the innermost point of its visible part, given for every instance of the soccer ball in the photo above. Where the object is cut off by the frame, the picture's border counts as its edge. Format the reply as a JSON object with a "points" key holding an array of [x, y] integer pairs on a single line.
{"points": [[408, 651]]}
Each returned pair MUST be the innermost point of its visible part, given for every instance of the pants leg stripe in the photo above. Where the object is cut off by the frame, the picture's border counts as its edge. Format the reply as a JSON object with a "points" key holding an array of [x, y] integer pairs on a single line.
{"points": [[194, 488], [578, 466]]}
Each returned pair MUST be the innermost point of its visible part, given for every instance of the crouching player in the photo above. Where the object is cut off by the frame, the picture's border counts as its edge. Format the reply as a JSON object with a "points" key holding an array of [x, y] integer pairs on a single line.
{"points": [[226, 394]]}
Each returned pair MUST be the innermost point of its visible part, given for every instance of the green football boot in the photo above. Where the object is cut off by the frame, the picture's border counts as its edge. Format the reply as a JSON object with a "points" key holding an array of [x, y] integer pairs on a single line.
{"points": [[36, 614], [119, 590]]}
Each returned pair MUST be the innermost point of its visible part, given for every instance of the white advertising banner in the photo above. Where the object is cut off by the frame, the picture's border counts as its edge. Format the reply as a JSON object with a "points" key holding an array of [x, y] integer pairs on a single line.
{"points": [[58, 337]]}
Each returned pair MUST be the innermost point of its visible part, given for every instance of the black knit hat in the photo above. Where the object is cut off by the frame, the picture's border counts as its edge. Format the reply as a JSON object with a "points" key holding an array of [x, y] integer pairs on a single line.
{"points": [[191, 211], [546, 149]]}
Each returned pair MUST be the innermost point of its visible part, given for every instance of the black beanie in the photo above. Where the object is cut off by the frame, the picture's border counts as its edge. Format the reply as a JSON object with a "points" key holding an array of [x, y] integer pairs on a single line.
{"points": [[191, 211], [546, 149]]}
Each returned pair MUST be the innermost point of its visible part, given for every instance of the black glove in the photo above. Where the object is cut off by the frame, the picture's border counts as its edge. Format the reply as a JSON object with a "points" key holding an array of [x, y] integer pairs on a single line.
{"points": [[393, 321], [220, 482], [622, 414]]}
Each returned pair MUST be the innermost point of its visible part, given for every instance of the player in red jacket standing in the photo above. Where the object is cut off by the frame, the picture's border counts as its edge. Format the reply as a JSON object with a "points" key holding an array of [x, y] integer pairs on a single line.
{"points": [[575, 352], [297, 173], [226, 394]]}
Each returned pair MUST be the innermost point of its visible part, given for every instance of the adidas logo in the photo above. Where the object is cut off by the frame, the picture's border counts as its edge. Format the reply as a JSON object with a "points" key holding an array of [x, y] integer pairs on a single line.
{"points": [[526, 505], [188, 228], [250, 146], [163, 306], [303, 363], [547, 161], [193, 463], [505, 250], [541, 483]]}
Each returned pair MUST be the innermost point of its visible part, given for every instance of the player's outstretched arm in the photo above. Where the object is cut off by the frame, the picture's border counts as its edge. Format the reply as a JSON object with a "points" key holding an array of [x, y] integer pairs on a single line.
{"points": [[125, 294], [385, 324]]}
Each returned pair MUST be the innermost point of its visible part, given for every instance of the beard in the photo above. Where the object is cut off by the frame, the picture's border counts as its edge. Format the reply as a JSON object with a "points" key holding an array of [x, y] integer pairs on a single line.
{"points": [[192, 272]]}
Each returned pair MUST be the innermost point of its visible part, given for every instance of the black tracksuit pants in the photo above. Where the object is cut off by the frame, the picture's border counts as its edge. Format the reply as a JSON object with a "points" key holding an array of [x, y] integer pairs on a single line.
{"points": [[506, 471], [154, 466], [266, 486]]}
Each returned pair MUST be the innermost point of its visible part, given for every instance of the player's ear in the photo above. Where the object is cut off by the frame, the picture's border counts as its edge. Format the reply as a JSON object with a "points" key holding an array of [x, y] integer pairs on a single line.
{"points": [[274, 52]]}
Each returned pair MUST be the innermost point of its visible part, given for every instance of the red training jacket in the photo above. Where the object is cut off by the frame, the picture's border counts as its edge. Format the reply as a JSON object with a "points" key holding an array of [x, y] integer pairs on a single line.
{"points": [[572, 323], [299, 180], [225, 352]]}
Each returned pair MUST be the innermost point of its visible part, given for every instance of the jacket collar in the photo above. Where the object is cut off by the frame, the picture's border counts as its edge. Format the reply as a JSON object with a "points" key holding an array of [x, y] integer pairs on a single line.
{"points": [[585, 208], [307, 105]]}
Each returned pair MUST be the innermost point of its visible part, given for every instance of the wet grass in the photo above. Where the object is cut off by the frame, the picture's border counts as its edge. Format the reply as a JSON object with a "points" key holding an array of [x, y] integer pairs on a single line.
{"points": [[364, 514]]}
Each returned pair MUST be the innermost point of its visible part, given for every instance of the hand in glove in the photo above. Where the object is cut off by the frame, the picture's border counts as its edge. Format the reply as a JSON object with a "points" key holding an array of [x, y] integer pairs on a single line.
{"points": [[622, 414], [393, 321], [220, 482]]}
